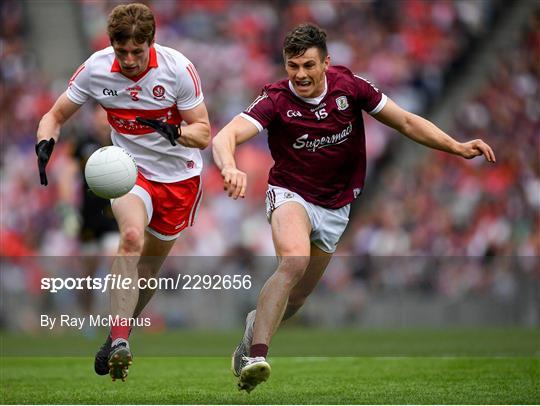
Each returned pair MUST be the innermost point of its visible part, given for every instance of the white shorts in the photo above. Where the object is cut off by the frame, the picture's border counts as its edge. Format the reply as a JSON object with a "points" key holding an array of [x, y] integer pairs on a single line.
{"points": [[327, 225]]}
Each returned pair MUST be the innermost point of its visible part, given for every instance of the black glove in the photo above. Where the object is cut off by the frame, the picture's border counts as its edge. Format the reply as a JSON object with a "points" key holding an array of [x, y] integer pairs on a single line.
{"points": [[44, 150], [170, 131]]}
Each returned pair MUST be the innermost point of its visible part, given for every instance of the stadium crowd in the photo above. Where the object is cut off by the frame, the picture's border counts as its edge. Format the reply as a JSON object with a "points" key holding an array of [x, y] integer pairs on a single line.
{"points": [[445, 206]]}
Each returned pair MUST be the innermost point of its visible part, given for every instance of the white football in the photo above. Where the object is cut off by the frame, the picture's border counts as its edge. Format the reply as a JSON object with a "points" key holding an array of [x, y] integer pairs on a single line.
{"points": [[110, 172]]}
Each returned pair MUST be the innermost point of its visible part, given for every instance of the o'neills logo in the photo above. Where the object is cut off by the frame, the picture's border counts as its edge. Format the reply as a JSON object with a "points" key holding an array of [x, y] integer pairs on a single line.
{"points": [[322, 142]]}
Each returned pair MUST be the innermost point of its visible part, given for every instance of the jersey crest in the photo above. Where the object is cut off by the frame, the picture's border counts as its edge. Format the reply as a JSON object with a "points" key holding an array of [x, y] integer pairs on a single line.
{"points": [[342, 102]]}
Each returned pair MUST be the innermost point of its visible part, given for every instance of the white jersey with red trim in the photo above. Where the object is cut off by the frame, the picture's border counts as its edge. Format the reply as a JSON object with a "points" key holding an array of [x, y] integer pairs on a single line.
{"points": [[169, 86]]}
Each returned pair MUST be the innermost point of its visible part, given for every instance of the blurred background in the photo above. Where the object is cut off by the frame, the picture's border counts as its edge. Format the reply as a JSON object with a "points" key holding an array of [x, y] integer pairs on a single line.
{"points": [[434, 241]]}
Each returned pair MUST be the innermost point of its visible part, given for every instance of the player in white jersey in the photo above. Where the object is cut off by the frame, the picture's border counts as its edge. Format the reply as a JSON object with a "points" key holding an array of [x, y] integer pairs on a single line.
{"points": [[147, 91]]}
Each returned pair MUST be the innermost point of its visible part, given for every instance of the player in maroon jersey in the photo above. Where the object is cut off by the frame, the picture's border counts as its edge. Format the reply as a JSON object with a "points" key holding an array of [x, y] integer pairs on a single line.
{"points": [[316, 138]]}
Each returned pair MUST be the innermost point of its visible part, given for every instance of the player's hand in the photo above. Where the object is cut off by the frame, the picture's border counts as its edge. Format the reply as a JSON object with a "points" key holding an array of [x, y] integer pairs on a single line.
{"points": [[234, 182], [44, 150], [171, 132], [476, 148]]}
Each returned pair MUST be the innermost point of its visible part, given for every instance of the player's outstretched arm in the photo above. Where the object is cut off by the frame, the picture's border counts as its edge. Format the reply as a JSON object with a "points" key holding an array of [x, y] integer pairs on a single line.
{"points": [[425, 132], [52, 121], [197, 133], [224, 145], [49, 131]]}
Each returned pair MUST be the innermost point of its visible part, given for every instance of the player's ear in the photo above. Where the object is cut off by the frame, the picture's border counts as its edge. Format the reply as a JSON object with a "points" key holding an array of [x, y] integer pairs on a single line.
{"points": [[326, 62]]}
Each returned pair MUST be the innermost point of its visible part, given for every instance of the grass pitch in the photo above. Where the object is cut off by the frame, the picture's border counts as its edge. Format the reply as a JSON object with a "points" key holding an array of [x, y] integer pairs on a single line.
{"points": [[439, 369]]}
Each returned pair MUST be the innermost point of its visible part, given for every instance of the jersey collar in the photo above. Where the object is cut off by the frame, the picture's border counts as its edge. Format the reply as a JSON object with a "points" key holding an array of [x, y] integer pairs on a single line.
{"points": [[152, 63], [312, 100]]}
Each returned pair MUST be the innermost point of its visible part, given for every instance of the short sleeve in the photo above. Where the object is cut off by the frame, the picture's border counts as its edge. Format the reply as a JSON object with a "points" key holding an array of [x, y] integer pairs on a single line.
{"points": [[78, 90], [368, 96], [261, 111], [189, 93]]}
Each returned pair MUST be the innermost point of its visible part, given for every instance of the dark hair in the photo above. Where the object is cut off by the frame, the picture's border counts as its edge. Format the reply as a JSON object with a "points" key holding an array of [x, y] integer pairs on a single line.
{"points": [[303, 37], [131, 21]]}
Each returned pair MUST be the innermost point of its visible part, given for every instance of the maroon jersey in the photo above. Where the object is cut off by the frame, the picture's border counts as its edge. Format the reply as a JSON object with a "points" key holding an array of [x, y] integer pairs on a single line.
{"points": [[319, 149]]}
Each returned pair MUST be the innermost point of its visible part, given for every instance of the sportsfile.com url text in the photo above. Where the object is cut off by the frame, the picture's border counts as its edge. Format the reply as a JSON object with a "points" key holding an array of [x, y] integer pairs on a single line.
{"points": [[181, 282]]}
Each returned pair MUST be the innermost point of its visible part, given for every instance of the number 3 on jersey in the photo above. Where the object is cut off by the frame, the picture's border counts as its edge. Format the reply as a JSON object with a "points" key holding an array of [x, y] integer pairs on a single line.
{"points": [[321, 114]]}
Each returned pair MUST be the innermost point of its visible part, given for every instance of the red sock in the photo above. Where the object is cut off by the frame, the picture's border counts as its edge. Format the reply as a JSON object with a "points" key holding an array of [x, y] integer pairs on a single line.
{"points": [[119, 330], [258, 350]]}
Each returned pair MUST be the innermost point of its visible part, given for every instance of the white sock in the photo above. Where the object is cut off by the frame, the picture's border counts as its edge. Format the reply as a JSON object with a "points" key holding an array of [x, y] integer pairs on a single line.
{"points": [[118, 341]]}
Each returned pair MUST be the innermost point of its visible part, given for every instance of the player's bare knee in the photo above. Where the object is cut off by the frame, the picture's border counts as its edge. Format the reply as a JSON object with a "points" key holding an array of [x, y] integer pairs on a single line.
{"points": [[293, 268], [131, 241], [294, 262]]}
